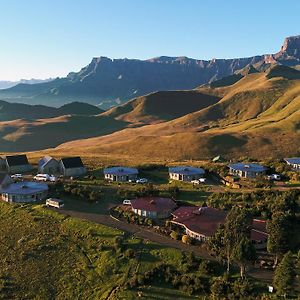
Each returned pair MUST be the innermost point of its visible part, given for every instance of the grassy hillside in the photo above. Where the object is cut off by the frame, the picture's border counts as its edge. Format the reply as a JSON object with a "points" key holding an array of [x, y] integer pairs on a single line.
{"points": [[26, 135], [161, 106], [257, 116], [13, 111], [46, 255]]}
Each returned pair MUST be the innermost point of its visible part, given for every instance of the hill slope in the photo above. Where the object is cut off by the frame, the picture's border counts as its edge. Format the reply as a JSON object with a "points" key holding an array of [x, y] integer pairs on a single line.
{"points": [[12, 111], [108, 82], [258, 116], [161, 106]]}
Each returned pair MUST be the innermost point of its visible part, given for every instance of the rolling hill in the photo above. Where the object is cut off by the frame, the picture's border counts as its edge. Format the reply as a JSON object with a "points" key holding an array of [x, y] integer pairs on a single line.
{"points": [[161, 106], [258, 116], [13, 111], [109, 82]]}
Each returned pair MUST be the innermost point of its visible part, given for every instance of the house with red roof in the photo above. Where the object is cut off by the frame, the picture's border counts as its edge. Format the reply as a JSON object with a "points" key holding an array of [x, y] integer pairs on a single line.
{"points": [[153, 207], [201, 223]]}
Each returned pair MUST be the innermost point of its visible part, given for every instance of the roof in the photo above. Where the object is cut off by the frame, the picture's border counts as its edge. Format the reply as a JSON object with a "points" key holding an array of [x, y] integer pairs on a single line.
{"points": [[119, 171], [17, 160], [205, 221], [43, 161], [72, 162], [3, 175], [202, 220], [259, 230], [184, 170], [248, 167], [293, 160], [154, 204], [24, 188]]}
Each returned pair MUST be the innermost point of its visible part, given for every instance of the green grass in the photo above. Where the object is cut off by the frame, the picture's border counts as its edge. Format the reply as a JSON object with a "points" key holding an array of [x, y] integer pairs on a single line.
{"points": [[45, 255]]}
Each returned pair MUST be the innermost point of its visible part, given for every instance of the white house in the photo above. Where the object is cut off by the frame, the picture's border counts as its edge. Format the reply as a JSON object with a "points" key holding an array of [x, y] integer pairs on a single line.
{"points": [[184, 173], [120, 174], [48, 165], [71, 167], [247, 170]]}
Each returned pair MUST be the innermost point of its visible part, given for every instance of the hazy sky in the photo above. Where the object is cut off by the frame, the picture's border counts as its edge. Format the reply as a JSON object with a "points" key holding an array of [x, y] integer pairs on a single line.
{"points": [[49, 38]]}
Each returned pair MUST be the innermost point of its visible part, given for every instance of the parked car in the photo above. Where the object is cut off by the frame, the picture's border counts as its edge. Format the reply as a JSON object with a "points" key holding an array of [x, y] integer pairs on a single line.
{"points": [[274, 177], [41, 177], [142, 180], [126, 202], [56, 203], [52, 178], [198, 181], [17, 176]]}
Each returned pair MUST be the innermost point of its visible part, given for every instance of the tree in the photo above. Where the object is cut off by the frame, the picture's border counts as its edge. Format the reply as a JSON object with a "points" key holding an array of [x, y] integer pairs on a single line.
{"points": [[226, 239], [284, 275], [219, 287], [278, 230], [242, 288], [244, 252]]}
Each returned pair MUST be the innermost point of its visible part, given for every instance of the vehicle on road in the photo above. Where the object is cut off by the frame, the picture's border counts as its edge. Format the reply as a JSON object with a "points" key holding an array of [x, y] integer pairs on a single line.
{"points": [[198, 181], [142, 180], [274, 177], [56, 203], [17, 176], [126, 202], [41, 177], [52, 178], [45, 177]]}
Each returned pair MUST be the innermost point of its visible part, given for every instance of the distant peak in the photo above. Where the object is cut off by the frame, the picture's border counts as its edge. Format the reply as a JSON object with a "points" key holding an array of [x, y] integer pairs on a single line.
{"points": [[291, 46], [249, 69]]}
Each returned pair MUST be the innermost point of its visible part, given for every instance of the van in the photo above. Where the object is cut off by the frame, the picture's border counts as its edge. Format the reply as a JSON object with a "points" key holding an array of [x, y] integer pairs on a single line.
{"points": [[56, 203], [126, 202], [41, 177]]}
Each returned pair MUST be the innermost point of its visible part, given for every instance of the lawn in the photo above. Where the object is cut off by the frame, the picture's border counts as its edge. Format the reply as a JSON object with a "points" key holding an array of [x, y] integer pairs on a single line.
{"points": [[45, 255]]}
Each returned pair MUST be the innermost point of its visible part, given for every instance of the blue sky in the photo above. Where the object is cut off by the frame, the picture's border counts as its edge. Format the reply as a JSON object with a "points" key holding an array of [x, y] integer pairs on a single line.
{"points": [[49, 38]]}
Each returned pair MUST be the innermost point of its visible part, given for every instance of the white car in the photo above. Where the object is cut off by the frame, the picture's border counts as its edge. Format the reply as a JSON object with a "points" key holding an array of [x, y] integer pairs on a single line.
{"points": [[56, 203], [274, 177], [17, 176], [142, 180], [199, 181], [41, 177], [52, 178], [126, 202]]}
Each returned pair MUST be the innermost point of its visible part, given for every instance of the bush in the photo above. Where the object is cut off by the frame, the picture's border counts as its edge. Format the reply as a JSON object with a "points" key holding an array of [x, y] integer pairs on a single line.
{"points": [[174, 235], [242, 288], [129, 253], [186, 239]]}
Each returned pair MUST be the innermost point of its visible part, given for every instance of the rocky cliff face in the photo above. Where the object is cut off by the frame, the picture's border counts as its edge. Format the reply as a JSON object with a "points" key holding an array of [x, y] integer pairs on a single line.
{"points": [[108, 82], [291, 46]]}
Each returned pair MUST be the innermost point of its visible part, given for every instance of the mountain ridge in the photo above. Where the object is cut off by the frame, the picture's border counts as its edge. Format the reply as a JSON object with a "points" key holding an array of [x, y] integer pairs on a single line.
{"points": [[109, 82]]}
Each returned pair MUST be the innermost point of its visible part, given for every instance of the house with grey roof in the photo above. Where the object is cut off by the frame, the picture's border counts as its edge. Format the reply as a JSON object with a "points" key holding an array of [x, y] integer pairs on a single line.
{"points": [[24, 191], [2, 164], [17, 164], [72, 167], [120, 174], [184, 173], [250, 170], [48, 165], [5, 179], [294, 162]]}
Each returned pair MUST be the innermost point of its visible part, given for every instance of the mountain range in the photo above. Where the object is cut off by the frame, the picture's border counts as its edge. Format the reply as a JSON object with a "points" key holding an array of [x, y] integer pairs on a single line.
{"points": [[109, 82], [250, 113], [5, 84]]}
